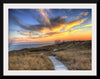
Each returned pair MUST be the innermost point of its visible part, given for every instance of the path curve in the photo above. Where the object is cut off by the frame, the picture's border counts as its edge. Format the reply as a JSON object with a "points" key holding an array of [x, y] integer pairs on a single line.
{"points": [[57, 64]]}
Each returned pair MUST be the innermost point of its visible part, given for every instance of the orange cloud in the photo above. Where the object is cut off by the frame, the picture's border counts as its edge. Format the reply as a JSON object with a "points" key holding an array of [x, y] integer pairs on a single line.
{"points": [[77, 17], [68, 36], [86, 13], [52, 36], [53, 29], [73, 23], [58, 28], [81, 13], [45, 30]]}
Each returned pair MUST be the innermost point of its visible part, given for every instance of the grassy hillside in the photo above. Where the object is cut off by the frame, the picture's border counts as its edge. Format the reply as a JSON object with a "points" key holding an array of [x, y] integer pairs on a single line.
{"points": [[76, 55]]}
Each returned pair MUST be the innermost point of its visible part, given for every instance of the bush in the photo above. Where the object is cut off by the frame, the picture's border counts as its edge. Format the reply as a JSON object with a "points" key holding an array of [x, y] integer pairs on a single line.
{"points": [[57, 42]]}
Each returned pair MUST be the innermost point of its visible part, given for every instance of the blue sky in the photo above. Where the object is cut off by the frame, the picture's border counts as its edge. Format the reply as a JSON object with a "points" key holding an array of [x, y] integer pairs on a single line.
{"points": [[32, 17]]}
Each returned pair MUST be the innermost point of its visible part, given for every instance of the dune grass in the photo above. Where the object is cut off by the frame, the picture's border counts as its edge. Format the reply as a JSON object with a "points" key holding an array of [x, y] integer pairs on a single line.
{"points": [[30, 62], [74, 55], [75, 60]]}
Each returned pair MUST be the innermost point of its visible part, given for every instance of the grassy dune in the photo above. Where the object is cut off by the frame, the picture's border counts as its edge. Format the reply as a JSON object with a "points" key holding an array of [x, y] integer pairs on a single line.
{"points": [[74, 55], [75, 60], [77, 56]]}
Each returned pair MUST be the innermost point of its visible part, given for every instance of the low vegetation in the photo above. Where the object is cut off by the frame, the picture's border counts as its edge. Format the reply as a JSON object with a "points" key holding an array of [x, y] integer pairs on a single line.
{"points": [[76, 55], [30, 62], [75, 60]]}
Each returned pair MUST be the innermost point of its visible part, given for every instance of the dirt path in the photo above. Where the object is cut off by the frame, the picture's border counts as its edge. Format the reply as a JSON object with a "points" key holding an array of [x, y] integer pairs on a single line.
{"points": [[57, 64]]}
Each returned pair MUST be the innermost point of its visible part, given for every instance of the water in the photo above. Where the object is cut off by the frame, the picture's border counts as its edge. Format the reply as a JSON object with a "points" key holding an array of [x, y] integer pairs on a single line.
{"points": [[22, 46]]}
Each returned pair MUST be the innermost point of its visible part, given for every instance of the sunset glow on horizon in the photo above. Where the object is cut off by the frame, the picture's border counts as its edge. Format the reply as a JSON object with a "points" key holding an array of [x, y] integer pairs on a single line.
{"points": [[48, 25]]}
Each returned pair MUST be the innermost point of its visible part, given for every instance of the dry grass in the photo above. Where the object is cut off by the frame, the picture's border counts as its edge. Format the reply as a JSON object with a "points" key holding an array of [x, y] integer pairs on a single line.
{"points": [[74, 55], [30, 62]]}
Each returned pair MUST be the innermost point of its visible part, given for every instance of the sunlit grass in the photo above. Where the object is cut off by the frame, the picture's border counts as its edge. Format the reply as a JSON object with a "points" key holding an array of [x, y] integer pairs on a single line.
{"points": [[74, 55], [30, 62]]}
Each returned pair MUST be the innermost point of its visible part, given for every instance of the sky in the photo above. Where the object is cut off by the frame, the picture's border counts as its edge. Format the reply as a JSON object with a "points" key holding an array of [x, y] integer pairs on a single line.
{"points": [[48, 25]]}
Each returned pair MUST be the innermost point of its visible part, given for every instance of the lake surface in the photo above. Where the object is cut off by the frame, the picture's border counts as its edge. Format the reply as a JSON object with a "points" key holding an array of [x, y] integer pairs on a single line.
{"points": [[21, 46]]}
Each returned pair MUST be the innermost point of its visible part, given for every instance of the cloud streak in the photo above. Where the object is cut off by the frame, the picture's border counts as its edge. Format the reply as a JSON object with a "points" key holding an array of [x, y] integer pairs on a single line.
{"points": [[44, 16], [73, 23], [49, 24], [86, 13], [82, 14]]}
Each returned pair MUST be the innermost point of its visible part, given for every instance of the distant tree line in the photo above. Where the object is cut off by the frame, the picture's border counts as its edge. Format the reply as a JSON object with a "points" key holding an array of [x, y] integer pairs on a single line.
{"points": [[59, 42]]}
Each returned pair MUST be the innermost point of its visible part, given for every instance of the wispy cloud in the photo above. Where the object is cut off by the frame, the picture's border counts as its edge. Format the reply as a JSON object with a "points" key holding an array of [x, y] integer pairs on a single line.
{"points": [[75, 30], [86, 13], [81, 14], [73, 23], [29, 34], [26, 34], [57, 24], [44, 16], [87, 25], [50, 24]]}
